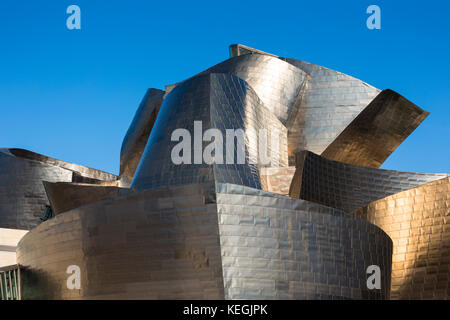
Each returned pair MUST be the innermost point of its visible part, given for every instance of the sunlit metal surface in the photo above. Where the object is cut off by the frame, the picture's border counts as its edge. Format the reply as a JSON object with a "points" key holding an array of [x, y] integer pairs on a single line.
{"points": [[134, 142], [212, 231], [220, 101], [277, 179], [64, 196], [377, 131], [332, 100], [205, 242], [276, 82], [348, 187], [418, 223], [22, 195]]}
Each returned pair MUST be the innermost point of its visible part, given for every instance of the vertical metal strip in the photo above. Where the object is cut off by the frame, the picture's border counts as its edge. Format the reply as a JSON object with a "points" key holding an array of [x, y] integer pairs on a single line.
{"points": [[10, 285], [20, 283], [1, 284], [15, 285]]}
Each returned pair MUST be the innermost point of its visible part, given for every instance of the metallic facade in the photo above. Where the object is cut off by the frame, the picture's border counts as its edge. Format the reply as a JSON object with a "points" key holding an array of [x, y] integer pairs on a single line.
{"points": [[377, 131], [417, 220], [205, 242], [199, 230], [219, 101], [22, 194], [347, 187], [64, 196], [330, 103], [134, 142]]}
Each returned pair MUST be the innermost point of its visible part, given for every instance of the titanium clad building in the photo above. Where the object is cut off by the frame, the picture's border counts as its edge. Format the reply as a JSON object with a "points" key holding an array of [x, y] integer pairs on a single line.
{"points": [[257, 178]]}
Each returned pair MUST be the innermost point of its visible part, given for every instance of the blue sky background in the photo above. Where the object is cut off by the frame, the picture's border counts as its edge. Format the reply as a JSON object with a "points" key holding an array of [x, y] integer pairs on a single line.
{"points": [[71, 94]]}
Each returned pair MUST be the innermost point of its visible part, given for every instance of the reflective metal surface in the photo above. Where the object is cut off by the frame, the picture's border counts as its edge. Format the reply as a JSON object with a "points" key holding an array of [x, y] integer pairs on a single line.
{"points": [[213, 231], [64, 196], [205, 242], [134, 142], [347, 187], [417, 220], [332, 100], [219, 101], [22, 195], [377, 131]]}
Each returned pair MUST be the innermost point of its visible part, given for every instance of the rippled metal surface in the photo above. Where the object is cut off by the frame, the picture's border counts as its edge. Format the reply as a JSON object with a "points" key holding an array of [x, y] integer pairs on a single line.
{"points": [[331, 101], [418, 223], [348, 187], [205, 242]]}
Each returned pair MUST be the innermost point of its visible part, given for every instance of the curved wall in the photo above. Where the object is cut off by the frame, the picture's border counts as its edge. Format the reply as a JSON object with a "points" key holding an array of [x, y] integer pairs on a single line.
{"points": [[22, 194], [205, 242], [277, 83], [348, 187], [135, 139], [219, 101], [417, 220], [331, 101], [377, 131]]}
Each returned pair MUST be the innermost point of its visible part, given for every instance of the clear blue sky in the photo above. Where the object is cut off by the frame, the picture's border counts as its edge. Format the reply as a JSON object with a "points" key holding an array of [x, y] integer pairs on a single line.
{"points": [[71, 94]]}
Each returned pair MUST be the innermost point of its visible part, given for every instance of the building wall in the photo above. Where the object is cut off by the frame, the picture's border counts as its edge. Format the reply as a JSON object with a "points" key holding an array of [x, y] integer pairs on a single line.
{"points": [[348, 187], [204, 242], [150, 245], [219, 101], [22, 195], [417, 220], [275, 247]]}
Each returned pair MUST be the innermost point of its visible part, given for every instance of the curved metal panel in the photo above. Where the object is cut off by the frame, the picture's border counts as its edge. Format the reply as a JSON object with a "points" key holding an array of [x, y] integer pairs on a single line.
{"points": [[220, 101], [377, 131], [277, 83], [277, 179], [22, 196], [417, 221], [64, 196], [347, 187], [331, 101], [134, 142], [275, 247], [182, 243], [161, 244]]}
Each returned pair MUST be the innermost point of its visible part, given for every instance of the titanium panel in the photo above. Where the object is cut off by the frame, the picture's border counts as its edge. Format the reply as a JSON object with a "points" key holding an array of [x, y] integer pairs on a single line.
{"points": [[347, 187], [377, 131], [276, 82], [219, 101], [22, 194], [277, 179], [64, 196], [160, 244], [134, 142], [417, 220], [275, 247], [182, 243]]}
